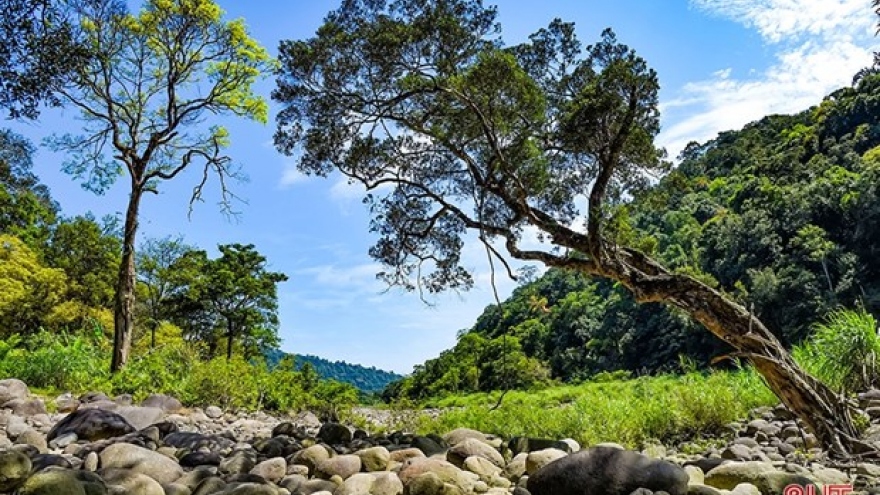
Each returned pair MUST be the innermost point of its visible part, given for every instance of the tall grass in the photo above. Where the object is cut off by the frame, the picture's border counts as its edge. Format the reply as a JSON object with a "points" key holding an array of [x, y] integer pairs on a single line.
{"points": [[843, 351], [631, 412]]}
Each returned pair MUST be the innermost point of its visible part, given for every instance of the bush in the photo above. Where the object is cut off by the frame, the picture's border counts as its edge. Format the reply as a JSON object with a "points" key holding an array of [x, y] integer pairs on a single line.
{"points": [[164, 369], [58, 362], [843, 351]]}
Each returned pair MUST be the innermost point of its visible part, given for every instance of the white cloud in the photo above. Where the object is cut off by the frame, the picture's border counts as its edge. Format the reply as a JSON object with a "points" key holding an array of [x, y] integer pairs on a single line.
{"points": [[819, 45]]}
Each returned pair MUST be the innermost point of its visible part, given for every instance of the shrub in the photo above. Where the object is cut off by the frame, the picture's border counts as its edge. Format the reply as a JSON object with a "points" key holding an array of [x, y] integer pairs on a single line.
{"points": [[843, 351]]}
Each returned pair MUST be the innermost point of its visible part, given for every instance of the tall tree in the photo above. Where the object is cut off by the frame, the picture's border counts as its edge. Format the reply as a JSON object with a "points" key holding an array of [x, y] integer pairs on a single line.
{"points": [[421, 101], [41, 49], [239, 289], [158, 267], [144, 96], [27, 211]]}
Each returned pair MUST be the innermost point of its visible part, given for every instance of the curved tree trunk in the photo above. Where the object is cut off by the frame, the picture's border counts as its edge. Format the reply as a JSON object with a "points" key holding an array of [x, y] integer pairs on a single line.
{"points": [[123, 309], [827, 414]]}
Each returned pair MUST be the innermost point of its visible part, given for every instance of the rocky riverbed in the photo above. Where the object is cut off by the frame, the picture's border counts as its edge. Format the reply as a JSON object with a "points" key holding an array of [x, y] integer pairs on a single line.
{"points": [[95, 445]]}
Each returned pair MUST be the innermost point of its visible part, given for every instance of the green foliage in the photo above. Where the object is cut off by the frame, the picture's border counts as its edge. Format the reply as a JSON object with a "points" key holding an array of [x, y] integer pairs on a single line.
{"points": [[632, 412], [781, 215], [57, 361], [843, 351], [365, 379], [29, 290]]}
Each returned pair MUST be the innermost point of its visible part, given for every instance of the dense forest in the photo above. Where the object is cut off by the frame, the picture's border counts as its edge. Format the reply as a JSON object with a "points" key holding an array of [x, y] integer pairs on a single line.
{"points": [[782, 215], [365, 379]]}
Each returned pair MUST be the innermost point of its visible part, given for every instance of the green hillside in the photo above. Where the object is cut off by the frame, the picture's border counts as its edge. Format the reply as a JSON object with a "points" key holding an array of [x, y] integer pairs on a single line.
{"points": [[363, 378], [782, 215]]}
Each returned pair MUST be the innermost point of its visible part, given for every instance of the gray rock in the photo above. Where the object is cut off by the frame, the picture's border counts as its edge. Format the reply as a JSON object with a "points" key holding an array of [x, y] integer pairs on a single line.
{"points": [[341, 465], [526, 444], [374, 458], [240, 461], [473, 447], [91, 425], [140, 460], [164, 402], [763, 475], [536, 460], [14, 469], [12, 388], [271, 469], [334, 434], [15, 426], [26, 407], [141, 417], [34, 438], [460, 434], [66, 403], [213, 412], [311, 457], [607, 471], [131, 483]]}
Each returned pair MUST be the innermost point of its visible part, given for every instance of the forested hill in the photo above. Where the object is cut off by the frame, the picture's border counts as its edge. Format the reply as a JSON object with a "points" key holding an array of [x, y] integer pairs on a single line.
{"points": [[365, 379], [784, 215]]}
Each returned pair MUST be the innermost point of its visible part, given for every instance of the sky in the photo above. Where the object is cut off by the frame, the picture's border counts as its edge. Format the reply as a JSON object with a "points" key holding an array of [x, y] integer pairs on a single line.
{"points": [[721, 64]]}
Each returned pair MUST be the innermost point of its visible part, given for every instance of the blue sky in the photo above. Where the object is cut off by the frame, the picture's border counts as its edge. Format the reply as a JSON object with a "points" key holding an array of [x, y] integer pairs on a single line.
{"points": [[721, 63]]}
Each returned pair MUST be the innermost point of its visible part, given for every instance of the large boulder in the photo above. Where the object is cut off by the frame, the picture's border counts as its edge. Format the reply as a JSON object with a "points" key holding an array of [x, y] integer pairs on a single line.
{"points": [[526, 444], [140, 460], [334, 434], [164, 402], [763, 475], [141, 417], [12, 388], [14, 469], [91, 425], [607, 471]]}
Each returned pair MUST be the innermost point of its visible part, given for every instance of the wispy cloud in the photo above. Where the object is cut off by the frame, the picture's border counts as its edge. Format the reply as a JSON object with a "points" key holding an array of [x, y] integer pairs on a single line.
{"points": [[819, 45]]}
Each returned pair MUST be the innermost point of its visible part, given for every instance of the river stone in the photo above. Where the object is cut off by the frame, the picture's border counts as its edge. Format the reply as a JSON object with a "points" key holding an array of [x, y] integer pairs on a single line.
{"points": [[194, 459], [695, 475], [538, 459], [763, 475], [447, 472], [482, 467], [15, 426], [91, 425], [334, 434], [470, 447], [42, 461], [248, 489], [526, 444], [176, 489], [54, 481], [131, 483], [311, 456], [403, 454], [34, 438], [516, 468], [208, 486], [12, 388], [26, 407], [141, 417], [140, 460], [14, 469], [194, 441], [458, 435], [374, 458], [271, 469], [164, 402], [213, 412], [240, 461], [341, 465], [704, 490], [745, 489], [429, 446], [607, 471]]}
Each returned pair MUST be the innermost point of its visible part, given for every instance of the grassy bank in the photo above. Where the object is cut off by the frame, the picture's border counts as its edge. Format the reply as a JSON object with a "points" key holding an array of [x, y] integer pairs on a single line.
{"points": [[631, 412]]}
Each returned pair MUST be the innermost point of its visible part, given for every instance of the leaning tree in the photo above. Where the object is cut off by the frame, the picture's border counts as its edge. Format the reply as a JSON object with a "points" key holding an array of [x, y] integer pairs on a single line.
{"points": [[453, 132]]}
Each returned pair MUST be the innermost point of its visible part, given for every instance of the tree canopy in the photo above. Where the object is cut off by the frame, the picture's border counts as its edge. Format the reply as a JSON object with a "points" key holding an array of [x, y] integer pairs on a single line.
{"points": [[451, 131], [144, 93]]}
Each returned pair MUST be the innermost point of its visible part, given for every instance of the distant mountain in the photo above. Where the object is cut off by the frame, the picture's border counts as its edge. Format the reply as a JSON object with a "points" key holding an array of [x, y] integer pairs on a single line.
{"points": [[365, 379]]}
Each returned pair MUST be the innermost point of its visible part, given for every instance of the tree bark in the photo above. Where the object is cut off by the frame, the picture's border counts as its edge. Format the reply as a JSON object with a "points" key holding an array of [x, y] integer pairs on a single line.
{"points": [[825, 413], [230, 332], [123, 314]]}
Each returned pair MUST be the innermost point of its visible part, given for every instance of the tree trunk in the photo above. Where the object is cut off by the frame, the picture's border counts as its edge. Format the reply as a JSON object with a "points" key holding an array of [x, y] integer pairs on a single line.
{"points": [[824, 412], [230, 332], [123, 309]]}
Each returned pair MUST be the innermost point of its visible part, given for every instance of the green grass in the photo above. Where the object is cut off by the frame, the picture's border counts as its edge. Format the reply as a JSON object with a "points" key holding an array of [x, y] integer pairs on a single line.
{"points": [[632, 412]]}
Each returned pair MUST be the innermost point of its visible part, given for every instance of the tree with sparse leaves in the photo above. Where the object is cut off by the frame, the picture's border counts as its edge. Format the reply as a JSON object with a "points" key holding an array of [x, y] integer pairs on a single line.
{"points": [[451, 131], [152, 83]]}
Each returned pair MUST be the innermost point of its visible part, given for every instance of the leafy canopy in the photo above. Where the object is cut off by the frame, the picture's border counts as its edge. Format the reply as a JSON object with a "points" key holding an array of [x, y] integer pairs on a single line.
{"points": [[450, 130]]}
